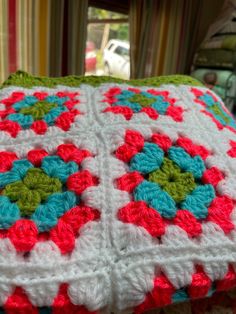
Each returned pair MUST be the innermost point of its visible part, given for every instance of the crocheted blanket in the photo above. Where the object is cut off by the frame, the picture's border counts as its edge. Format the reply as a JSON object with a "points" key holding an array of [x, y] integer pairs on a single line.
{"points": [[115, 196]]}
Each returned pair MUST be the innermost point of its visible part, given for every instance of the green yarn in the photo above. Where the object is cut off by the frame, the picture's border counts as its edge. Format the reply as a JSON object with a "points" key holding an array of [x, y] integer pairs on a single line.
{"points": [[176, 183], [24, 79], [35, 188], [142, 100], [38, 110], [219, 113]]}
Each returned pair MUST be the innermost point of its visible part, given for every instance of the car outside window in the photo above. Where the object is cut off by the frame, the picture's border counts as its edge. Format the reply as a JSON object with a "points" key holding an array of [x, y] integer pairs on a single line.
{"points": [[121, 51]]}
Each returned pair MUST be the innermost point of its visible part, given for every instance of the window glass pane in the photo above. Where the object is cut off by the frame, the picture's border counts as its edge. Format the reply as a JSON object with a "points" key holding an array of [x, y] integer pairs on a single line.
{"points": [[118, 50], [109, 33]]}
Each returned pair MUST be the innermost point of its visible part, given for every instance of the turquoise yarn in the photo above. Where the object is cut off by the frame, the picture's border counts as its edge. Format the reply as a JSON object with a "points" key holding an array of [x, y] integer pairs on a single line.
{"points": [[160, 105], [156, 198], [134, 106], [125, 99], [50, 117], [9, 213], [180, 296], [195, 165], [148, 160], [55, 167], [30, 100], [24, 120], [20, 105], [46, 215], [198, 201], [208, 99], [18, 171]]}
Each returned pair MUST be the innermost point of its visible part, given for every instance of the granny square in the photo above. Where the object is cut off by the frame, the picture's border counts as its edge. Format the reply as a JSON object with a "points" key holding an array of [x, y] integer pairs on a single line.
{"points": [[115, 196]]}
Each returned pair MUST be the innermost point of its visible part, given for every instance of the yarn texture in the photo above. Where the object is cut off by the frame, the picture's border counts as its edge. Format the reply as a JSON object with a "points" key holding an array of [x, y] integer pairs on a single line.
{"points": [[115, 196]]}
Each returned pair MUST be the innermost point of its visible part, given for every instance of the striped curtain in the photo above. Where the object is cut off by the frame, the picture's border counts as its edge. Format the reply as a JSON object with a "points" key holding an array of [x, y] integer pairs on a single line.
{"points": [[164, 34], [42, 37]]}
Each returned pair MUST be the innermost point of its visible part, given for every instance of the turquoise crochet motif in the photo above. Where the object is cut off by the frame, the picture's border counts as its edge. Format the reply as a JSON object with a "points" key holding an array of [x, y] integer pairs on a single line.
{"points": [[36, 193], [136, 101], [172, 181], [215, 108], [149, 160], [31, 109]]}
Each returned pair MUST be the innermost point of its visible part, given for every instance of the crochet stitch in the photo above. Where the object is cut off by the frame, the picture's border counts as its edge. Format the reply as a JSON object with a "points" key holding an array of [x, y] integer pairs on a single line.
{"points": [[38, 111], [114, 195]]}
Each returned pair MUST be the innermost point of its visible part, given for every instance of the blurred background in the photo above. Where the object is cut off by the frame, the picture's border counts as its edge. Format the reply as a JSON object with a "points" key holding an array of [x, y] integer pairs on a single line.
{"points": [[125, 39]]}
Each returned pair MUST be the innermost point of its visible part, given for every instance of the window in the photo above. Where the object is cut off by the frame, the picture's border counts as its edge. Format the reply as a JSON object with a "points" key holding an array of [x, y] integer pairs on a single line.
{"points": [[108, 33]]}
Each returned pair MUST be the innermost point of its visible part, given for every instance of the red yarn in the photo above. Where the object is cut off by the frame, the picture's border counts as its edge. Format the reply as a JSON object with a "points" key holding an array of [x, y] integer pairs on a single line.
{"points": [[23, 234], [196, 91], [78, 216], [15, 97], [187, 221], [18, 303], [150, 112], [220, 211], [125, 111], [80, 181], [135, 90], [39, 127], [129, 181], [162, 140], [193, 149], [13, 128], [4, 113], [134, 143], [67, 94], [160, 296], [3, 233], [110, 101], [40, 95], [140, 214], [228, 282], [175, 112], [62, 234], [232, 151], [63, 305], [212, 176], [200, 284], [35, 156], [69, 152], [71, 103], [134, 139], [65, 119], [68, 226], [157, 92], [6, 160], [113, 91], [125, 152]]}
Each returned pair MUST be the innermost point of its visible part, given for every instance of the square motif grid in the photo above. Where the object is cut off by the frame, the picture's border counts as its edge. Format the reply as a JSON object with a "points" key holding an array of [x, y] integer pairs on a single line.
{"points": [[114, 198]]}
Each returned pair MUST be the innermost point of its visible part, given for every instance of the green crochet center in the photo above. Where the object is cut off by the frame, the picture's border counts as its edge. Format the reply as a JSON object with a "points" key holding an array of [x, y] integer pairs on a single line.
{"points": [[34, 189], [142, 100], [176, 183], [38, 110]]}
